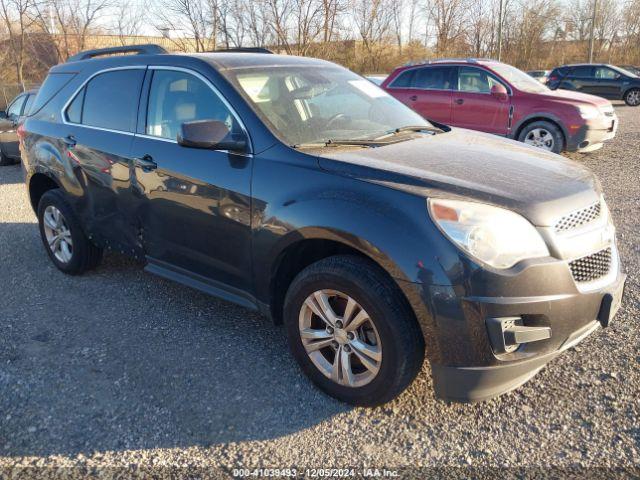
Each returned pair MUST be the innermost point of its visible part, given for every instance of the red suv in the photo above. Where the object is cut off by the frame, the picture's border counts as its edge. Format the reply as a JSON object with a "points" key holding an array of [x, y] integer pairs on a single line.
{"points": [[497, 98]]}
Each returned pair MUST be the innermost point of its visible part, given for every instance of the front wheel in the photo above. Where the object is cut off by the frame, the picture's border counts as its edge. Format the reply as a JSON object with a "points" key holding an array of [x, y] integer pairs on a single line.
{"points": [[632, 97], [63, 238], [352, 332], [544, 135]]}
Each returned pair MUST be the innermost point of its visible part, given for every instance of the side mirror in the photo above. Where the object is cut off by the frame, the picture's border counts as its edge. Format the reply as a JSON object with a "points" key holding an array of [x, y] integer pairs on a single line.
{"points": [[499, 91], [3, 114], [211, 135]]}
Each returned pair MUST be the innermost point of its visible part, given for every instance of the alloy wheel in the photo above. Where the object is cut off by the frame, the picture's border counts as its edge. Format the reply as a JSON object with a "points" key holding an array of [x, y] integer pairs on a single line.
{"points": [[633, 98], [58, 234], [340, 338], [541, 138]]}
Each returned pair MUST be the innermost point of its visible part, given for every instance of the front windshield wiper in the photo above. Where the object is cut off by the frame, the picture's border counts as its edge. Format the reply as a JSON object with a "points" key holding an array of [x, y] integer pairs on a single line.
{"points": [[339, 142], [410, 128]]}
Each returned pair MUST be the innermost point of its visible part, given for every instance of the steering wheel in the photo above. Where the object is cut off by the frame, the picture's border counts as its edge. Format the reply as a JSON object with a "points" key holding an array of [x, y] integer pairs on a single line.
{"points": [[334, 119]]}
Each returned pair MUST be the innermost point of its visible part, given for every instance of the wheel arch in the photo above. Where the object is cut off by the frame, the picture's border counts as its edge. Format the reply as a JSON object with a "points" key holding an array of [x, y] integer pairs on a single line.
{"points": [[542, 118], [39, 184], [305, 250]]}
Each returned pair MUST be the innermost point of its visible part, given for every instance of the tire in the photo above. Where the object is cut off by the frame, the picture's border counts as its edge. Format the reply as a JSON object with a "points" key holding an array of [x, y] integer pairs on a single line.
{"points": [[632, 97], [82, 255], [549, 136], [392, 328], [4, 160]]}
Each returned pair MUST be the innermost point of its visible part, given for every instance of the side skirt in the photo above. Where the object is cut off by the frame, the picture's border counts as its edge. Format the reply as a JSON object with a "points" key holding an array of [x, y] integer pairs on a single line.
{"points": [[206, 285]]}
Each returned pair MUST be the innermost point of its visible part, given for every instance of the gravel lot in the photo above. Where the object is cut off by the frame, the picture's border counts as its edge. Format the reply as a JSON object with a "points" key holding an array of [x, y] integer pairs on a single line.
{"points": [[119, 368]]}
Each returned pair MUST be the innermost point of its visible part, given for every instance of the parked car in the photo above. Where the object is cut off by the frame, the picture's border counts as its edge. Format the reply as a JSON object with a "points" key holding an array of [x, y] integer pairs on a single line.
{"points": [[541, 75], [497, 98], [607, 81], [377, 79], [374, 235], [9, 121]]}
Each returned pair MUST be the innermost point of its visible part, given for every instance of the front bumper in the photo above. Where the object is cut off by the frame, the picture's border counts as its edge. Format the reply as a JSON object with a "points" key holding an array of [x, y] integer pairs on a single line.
{"points": [[593, 133], [571, 317]]}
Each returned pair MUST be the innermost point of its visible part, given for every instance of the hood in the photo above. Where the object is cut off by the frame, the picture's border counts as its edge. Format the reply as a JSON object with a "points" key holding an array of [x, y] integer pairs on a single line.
{"points": [[539, 185], [571, 96]]}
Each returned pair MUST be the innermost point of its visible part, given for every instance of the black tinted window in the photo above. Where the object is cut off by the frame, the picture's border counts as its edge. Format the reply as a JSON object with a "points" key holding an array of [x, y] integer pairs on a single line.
{"points": [[51, 86], [404, 79], [178, 97], [111, 100], [582, 71], [74, 110], [438, 78]]}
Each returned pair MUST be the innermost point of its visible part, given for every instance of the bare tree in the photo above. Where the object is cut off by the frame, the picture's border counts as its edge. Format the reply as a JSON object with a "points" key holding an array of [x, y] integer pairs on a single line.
{"points": [[17, 24]]}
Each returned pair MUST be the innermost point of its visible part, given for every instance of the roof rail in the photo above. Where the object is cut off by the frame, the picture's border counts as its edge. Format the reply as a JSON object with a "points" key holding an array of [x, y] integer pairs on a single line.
{"points": [[443, 60], [244, 50], [147, 49]]}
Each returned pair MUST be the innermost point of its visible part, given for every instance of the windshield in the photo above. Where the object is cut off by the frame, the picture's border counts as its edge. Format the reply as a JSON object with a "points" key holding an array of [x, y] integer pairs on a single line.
{"points": [[518, 78], [316, 104], [626, 72]]}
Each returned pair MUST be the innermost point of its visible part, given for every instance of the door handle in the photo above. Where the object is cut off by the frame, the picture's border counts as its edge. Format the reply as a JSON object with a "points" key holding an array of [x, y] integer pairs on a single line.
{"points": [[459, 101], [413, 98], [145, 162], [70, 141]]}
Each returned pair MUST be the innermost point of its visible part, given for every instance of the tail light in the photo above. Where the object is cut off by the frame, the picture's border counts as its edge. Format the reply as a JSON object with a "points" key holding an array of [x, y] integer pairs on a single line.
{"points": [[21, 132], [553, 78]]}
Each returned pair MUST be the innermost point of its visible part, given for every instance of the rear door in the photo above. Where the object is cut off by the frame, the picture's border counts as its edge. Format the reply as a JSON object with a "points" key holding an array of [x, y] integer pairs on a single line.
{"points": [[582, 79], [426, 90], [433, 92], [474, 106], [608, 83], [8, 126], [97, 132], [193, 205]]}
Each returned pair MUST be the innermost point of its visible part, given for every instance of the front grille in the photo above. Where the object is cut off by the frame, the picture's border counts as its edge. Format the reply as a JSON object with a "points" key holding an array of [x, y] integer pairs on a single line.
{"points": [[592, 266], [579, 218]]}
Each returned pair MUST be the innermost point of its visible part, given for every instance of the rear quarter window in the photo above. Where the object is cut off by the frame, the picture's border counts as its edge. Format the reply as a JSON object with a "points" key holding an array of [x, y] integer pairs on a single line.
{"points": [[49, 89]]}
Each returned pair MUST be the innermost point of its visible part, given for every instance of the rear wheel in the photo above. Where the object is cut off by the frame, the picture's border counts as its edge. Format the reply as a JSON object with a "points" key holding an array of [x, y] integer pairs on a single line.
{"points": [[63, 238], [632, 97], [351, 331], [544, 135]]}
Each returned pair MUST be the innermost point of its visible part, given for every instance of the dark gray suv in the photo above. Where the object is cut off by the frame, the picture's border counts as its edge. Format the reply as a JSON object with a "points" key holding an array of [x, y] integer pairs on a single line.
{"points": [[299, 189]]}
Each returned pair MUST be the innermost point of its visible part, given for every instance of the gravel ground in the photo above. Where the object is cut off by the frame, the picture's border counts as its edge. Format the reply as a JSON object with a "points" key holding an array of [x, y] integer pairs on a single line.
{"points": [[121, 369]]}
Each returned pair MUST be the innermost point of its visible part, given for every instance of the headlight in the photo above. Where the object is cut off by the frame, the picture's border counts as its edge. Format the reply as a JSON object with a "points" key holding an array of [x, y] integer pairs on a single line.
{"points": [[588, 112], [495, 236]]}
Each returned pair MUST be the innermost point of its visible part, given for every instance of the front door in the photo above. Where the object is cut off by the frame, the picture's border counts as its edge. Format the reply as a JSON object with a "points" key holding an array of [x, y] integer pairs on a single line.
{"points": [[8, 125], [193, 204], [608, 83], [475, 107]]}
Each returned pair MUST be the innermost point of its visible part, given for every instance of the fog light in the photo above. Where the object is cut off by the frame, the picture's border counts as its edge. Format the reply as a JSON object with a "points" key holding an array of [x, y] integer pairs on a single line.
{"points": [[508, 333]]}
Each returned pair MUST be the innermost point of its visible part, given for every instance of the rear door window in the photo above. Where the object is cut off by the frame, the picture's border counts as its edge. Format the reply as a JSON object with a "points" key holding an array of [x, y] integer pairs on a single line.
{"points": [[434, 78], [404, 80], [582, 71], [109, 100]]}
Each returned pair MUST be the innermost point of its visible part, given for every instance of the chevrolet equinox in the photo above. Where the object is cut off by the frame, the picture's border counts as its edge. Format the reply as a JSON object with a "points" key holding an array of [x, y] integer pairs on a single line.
{"points": [[299, 189]]}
